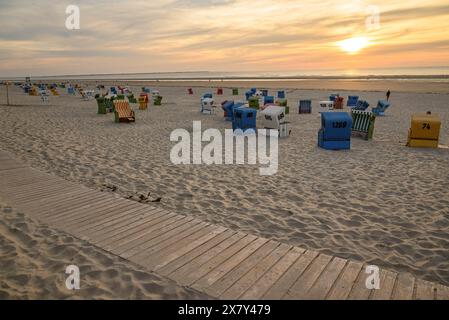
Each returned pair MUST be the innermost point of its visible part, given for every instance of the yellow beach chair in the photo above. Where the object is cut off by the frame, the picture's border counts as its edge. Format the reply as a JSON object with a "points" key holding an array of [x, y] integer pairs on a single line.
{"points": [[123, 112], [424, 131]]}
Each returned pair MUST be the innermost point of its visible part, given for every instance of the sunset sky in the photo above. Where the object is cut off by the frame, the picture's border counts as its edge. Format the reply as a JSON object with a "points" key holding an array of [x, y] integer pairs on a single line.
{"points": [[220, 35]]}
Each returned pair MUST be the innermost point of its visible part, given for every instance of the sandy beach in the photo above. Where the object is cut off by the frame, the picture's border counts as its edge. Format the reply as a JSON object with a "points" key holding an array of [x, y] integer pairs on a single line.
{"points": [[380, 202]]}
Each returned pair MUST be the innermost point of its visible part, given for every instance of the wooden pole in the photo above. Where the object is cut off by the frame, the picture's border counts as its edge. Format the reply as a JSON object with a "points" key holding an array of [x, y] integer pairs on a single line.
{"points": [[7, 93]]}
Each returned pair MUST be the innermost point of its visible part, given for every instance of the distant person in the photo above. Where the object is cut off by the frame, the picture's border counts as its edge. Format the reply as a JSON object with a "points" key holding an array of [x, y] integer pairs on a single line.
{"points": [[388, 94]]}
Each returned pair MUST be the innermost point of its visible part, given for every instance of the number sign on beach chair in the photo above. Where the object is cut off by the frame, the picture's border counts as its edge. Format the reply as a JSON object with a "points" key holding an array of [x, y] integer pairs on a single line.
{"points": [[424, 131], [382, 105], [363, 124], [305, 106], [123, 112], [335, 132]]}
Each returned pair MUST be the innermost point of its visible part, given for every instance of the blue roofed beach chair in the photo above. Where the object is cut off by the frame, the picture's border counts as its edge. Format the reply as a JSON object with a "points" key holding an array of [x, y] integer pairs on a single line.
{"points": [[362, 105], [305, 106], [244, 118], [382, 105], [335, 131], [352, 101], [333, 97], [363, 124]]}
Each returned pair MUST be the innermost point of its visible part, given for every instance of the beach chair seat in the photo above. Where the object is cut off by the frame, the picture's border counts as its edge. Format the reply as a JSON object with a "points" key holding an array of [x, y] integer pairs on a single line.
{"points": [[219, 91], [305, 106], [363, 124], [335, 131], [333, 97], [235, 92], [190, 91], [264, 92], [424, 131], [123, 112], [382, 105], [352, 101], [362, 105], [281, 94]]}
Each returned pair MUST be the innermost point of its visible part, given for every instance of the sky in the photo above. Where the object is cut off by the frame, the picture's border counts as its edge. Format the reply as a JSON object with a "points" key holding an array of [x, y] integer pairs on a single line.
{"points": [[221, 35]]}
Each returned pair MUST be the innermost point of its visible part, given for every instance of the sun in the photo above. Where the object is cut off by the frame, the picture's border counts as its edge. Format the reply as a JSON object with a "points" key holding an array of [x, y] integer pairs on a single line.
{"points": [[353, 45]]}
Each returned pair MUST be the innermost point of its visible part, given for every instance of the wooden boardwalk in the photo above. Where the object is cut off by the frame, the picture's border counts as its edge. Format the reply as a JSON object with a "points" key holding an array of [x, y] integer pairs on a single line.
{"points": [[223, 263]]}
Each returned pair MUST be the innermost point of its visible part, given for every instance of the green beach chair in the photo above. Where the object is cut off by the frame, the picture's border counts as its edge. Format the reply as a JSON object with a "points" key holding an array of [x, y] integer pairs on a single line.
{"points": [[101, 102], [157, 100], [363, 124], [120, 97], [253, 102], [235, 92], [132, 99]]}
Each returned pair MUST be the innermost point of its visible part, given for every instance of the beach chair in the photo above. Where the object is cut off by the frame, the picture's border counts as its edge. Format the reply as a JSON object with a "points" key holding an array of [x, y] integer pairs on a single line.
{"points": [[71, 90], [352, 101], [305, 106], [363, 124], [333, 97], [273, 117], [208, 106], [362, 105], [268, 100], [264, 92], [54, 91], [131, 99], [157, 100], [227, 109], [101, 103], [235, 92], [44, 95], [190, 91], [219, 91], [281, 94], [335, 131], [382, 105], [282, 102], [253, 102], [123, 112], [249, 94], [338, 103], [424, 131], [146, 90], [244, 119], [113, 90], [33, 91]]}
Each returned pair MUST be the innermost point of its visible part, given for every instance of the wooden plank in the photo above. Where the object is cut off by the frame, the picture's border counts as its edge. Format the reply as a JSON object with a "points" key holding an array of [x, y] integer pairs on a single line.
{"points": [[185, 259], [163, 241], [103, 213], [326, 280], [162, 233], [178, 249], [114, 217], [259, 288], [201, 265], [386, 286], [442, 292], [283, 284], [133, 232], [138, 243], [31, 192], [359, 290], [80, 214], [230, 263], [308, 278], [425, 290], [251, 277], [139, 216], [107, 225], [344, 284], [404, 288], [42, 205]]}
